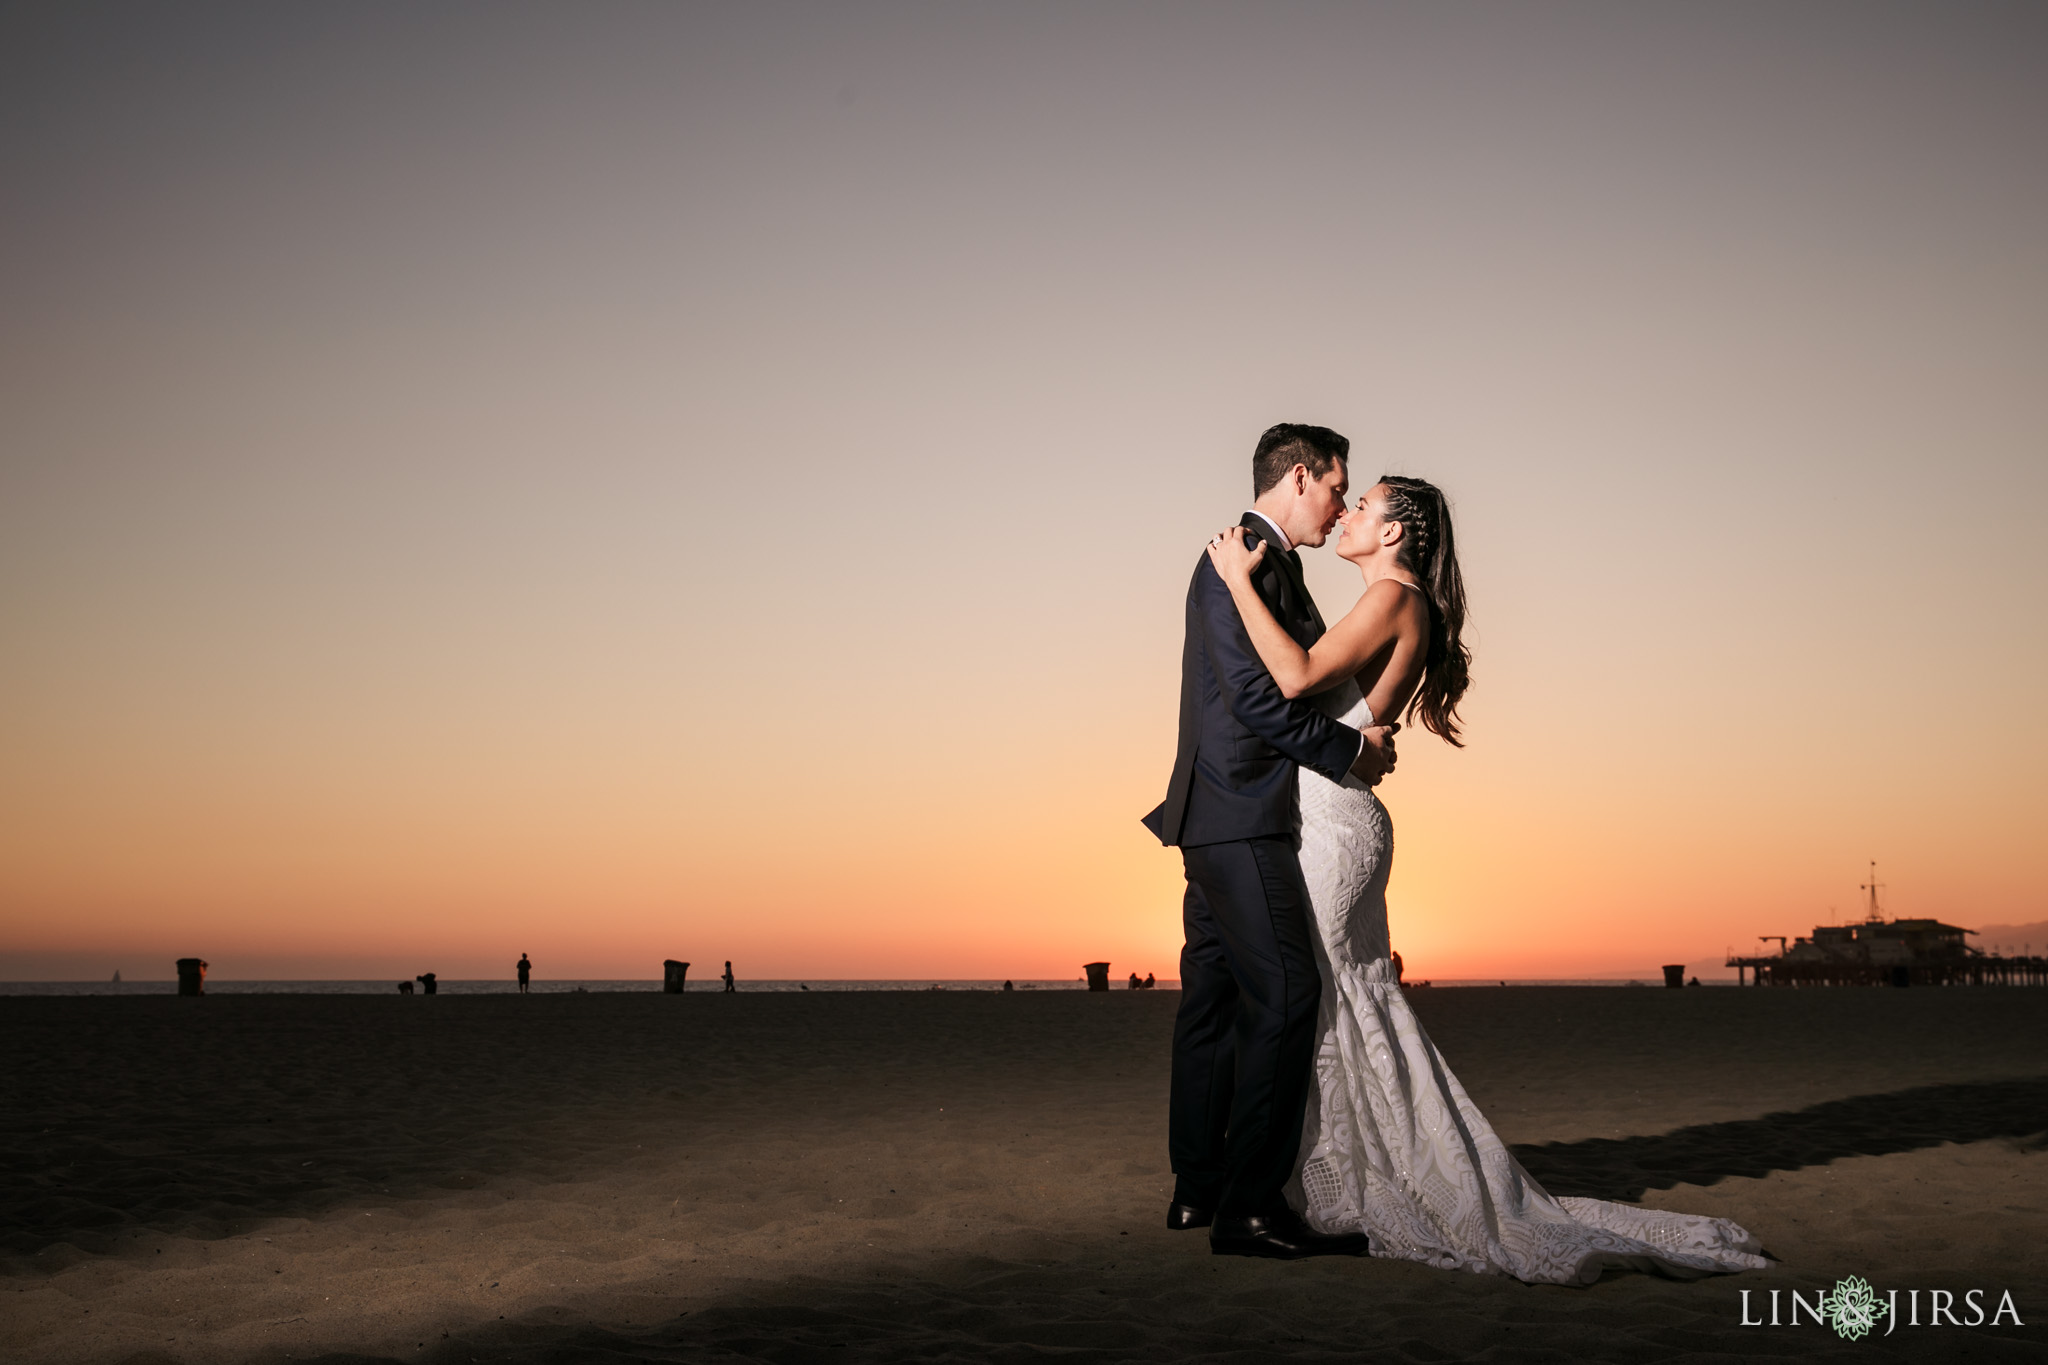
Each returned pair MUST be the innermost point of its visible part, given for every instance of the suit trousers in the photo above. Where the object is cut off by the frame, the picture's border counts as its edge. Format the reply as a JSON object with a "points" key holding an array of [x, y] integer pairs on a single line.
{"points": [[1244, 1040]]}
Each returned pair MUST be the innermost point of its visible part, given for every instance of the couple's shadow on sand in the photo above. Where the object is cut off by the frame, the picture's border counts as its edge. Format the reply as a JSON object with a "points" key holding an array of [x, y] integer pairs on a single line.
{"points": [[981, 1309], [171, 1192], [1861, 1125]]}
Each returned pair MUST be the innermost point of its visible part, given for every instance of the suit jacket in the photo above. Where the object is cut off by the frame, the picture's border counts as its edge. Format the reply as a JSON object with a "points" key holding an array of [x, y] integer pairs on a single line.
{"points": [[1240, 739]]}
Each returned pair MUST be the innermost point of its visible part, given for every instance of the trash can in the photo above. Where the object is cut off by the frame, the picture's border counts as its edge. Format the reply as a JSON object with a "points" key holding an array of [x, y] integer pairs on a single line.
{"points": [[1674, 975], [672, 974], [191, 976], [1098, 975]]}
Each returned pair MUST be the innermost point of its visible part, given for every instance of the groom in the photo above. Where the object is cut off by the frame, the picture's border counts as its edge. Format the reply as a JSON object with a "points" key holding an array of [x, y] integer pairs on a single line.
{"points": [[1244, 1040]]}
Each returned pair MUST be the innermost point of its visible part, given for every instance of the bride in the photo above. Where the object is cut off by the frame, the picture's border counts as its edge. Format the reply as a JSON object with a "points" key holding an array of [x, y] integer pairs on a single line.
{"points": [[1392, 1146]]}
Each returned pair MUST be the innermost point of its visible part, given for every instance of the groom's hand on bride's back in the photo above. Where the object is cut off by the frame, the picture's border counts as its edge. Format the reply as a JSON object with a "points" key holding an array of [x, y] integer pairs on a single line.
{"points": [[1376, 755]]}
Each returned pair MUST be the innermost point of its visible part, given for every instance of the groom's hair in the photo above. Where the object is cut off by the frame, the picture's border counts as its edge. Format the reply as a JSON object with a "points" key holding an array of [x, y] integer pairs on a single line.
{"points": [[1293, 443]]}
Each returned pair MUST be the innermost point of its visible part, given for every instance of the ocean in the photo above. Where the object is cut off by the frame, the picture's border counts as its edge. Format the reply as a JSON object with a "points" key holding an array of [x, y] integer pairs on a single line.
{"points": [[216, 986]]}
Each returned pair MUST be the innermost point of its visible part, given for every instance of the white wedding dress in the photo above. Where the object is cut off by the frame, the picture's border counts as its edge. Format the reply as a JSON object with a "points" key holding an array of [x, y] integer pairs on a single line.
{"points": [[1393, 1147]]}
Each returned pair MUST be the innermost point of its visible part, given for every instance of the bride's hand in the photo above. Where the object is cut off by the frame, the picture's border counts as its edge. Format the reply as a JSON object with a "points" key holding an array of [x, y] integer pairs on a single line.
{"points": [[1234, 563]]}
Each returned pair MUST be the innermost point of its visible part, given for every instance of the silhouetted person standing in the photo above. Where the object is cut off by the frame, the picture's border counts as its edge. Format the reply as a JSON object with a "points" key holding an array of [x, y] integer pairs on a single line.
{"points": [[525, 970], [426, 980], [728, 979]]}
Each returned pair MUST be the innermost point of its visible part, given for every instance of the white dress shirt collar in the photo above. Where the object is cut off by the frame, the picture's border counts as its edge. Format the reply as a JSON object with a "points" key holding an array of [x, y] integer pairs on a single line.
{"points": [[1279, 536]]}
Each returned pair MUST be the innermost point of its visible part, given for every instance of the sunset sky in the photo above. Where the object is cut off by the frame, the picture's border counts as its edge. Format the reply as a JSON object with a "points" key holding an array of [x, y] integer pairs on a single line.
{"points": [[619, 482]]}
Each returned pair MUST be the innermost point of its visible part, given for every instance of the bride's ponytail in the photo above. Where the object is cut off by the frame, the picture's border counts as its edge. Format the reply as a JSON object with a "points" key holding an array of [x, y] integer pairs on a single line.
{"points": [[1429, 551]]}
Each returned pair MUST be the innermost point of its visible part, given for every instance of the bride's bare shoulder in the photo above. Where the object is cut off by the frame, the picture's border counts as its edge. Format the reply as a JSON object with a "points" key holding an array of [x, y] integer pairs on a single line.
{"points": [[1387, 601]]}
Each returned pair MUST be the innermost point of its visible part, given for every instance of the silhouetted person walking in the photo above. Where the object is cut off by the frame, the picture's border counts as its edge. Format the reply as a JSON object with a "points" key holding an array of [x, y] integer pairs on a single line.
{"points": [[525, 970], [728, 979]]}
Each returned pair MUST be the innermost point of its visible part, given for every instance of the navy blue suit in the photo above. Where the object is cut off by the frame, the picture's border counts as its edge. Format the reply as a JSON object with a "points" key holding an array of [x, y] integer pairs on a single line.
{"points": [[1244, 1039]]}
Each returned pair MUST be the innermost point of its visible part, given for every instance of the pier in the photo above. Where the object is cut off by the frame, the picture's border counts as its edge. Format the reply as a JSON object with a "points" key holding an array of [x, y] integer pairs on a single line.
{"points": [[1882, 952]]}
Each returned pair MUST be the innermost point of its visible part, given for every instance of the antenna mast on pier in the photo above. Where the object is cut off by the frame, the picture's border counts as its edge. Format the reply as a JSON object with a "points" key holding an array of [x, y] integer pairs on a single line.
{"points": [[1874, 917]]}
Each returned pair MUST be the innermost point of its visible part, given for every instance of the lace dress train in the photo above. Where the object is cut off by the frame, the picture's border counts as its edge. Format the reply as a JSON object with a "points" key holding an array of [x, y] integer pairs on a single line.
{"points": [[1393, 1146]]}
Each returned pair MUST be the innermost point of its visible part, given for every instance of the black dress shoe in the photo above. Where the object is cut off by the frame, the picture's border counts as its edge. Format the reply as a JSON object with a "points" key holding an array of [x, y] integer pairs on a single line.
{"points": [[1281, 1235], [1186, 1217]]}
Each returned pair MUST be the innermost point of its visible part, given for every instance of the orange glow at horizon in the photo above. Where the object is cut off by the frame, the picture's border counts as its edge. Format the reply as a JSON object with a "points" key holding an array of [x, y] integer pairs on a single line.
{"points": [[627, 497]]}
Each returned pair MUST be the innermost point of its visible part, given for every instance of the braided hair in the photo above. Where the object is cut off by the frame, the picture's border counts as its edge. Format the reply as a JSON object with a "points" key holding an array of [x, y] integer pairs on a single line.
{"points": [[1429, 551]]}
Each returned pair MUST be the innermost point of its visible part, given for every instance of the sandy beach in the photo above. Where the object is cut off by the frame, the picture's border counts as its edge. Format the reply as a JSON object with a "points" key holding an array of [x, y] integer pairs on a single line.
{"points": [[956, 1176]]}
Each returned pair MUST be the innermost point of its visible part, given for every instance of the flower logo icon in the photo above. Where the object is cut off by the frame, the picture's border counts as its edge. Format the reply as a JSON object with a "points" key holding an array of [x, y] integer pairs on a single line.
{"points": [[1852, 1308]]}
